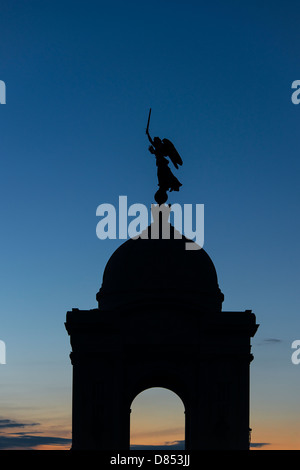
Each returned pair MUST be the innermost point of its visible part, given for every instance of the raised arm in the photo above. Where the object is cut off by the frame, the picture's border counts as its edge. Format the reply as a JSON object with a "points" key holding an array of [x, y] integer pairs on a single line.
{"points": [[150, 140]]}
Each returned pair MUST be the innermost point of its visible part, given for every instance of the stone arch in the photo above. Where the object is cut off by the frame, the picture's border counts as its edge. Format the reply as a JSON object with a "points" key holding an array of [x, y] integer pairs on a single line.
{"points": [[161, 374], [162, 379]]}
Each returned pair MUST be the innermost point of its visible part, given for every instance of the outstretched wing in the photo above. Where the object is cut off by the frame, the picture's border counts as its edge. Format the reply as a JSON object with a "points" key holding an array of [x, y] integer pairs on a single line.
{"points": [[171, 152]]}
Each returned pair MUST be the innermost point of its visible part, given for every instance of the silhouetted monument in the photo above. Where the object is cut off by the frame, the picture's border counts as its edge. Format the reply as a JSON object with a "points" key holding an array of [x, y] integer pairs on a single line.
{"points": [[166, 180], [159, 323]]}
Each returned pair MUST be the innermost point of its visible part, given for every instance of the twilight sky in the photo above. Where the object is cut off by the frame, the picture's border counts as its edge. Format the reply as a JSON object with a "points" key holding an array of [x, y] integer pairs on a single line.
{"points": [[80, 78]]}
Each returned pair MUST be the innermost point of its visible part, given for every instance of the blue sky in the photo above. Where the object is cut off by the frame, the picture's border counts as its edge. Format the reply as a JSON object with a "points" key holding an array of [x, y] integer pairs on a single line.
{"points": [[80, 78]]}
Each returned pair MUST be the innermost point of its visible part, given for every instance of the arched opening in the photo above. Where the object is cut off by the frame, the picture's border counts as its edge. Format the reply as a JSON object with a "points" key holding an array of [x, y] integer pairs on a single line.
{"points": [[157, 420]]}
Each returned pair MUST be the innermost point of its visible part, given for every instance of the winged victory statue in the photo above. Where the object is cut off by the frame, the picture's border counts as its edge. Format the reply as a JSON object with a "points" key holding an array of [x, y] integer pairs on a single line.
{"points": [[163, 148]]}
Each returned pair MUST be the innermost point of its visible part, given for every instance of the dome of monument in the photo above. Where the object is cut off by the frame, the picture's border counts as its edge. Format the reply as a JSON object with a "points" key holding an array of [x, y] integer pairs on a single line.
{"points": [[162, 272]]}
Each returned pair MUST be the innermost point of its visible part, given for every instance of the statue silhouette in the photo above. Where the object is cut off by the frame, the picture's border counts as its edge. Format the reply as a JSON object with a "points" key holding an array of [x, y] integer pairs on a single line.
{"points": [[162, 148]]}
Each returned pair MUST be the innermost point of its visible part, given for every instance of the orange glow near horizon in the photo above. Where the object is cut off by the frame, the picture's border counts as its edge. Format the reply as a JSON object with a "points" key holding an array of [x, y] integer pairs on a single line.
{"points": [[158, 419], [277, 433]]}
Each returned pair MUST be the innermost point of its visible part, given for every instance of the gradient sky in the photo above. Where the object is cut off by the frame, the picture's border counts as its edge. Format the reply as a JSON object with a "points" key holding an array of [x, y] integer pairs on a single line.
{"points": [[80, 78]]}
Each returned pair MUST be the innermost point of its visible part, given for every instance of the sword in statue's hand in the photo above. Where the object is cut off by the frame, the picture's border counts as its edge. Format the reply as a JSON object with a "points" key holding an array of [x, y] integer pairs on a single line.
{"points": [[147, 128]]}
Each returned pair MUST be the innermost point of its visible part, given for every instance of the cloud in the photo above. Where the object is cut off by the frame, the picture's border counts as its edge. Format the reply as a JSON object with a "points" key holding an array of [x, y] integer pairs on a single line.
{"points": [[269, 341], [9, 423], [272, 340], [24, 440], [174, 445], [180, 445], [29, 442], [259, 444]]}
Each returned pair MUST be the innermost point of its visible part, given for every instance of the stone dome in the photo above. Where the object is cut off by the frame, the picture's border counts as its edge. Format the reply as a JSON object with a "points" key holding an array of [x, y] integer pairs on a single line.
{"points": [[148, 272]]}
